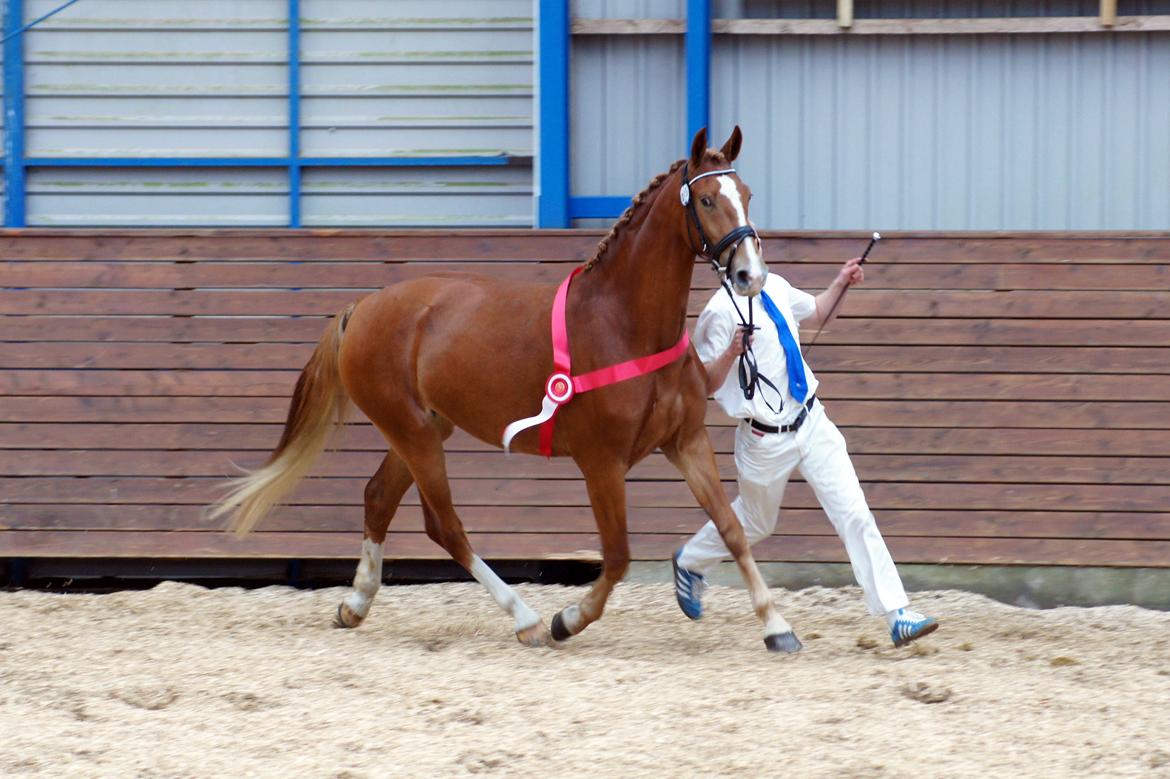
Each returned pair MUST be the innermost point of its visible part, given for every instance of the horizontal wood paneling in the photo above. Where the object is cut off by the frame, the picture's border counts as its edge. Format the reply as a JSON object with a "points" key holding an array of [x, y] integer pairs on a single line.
{"points": [[1005, 398]]}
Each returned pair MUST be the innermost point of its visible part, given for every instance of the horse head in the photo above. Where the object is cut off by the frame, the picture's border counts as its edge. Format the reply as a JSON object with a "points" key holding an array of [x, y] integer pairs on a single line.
{"points": [[716, 201]]}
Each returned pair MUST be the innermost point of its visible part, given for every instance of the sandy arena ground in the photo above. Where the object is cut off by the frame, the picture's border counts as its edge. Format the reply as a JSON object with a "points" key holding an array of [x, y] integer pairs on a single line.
{"points": [[182, 681]]}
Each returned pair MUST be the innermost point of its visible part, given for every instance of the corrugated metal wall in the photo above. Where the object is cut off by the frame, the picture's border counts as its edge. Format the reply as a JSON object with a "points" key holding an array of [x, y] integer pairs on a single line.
{"points": [[379, 78], [961, 132], [899, 132]]}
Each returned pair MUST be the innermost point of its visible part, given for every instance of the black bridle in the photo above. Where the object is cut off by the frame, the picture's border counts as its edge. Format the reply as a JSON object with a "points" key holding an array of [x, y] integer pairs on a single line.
{"points": [[749, 372]]}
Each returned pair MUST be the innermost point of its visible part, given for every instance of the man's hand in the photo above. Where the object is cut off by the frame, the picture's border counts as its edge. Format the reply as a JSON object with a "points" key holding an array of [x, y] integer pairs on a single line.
{"points": [[718, 368], [735, 348], [852, 272]]}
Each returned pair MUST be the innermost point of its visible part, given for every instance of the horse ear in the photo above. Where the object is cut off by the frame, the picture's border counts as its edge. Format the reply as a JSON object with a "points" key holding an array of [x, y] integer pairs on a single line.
{"points": [[698, 146], [730, 149]]}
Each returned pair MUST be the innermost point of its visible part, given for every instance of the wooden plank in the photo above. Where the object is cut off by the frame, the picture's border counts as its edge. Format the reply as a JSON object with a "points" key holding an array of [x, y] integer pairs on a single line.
{"points": [[1070, 415], [147, 382], [990, 551], [846, 330], [996, 332], [834, 386], [996, 248], [1012, 304], [571, 492], [829, 358], [932, 523], [177, 302], [363, 276], [945, 468], [504, 244], [862, 440], [375, 274], [165, 329], [392, 245], [982, 304]]}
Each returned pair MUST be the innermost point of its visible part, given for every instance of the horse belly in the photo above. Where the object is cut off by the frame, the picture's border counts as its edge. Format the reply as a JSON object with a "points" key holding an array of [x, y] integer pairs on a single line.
{"points": [[482, 359]]}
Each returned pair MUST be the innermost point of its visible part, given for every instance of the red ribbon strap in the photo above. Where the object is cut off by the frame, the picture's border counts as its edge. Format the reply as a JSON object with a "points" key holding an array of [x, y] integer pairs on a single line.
{"points": [[562, 363]]}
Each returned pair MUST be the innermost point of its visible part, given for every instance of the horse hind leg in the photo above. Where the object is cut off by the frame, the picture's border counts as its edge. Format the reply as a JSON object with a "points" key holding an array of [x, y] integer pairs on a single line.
{"points": [[452, 537], [383, 494], [421, 447]]}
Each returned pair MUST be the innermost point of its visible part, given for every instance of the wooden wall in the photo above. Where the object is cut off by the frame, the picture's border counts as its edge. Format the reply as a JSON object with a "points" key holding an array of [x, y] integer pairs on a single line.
{"points": [[1006, 398]]}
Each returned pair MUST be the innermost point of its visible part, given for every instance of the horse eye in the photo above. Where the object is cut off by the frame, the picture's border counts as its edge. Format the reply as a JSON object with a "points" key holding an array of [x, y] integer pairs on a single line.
{"points": [[706, 201]]}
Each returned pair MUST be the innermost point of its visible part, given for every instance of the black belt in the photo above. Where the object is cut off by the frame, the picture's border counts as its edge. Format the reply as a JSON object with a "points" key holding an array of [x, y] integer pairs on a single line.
{"points": [[792, 426]]}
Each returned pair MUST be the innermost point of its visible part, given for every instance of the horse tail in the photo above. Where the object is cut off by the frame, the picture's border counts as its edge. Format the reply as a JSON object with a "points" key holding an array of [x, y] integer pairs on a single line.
{"points": [[318, 408]]}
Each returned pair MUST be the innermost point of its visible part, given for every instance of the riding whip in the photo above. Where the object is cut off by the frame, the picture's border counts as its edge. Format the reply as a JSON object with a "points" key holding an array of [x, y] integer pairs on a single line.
{"points": [[841, 295]]}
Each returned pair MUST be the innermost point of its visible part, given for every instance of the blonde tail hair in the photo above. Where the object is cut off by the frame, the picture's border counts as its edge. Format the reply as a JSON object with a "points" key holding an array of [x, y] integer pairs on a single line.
{"points": [[318, 407]]}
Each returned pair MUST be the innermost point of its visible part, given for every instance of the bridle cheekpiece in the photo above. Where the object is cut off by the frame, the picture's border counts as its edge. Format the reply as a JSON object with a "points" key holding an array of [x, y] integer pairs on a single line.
{"points": [[733, 239]]}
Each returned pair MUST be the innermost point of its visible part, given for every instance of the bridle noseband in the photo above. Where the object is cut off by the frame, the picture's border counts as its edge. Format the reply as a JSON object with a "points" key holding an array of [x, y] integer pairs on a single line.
{"points": [[749, 373], [732, 240]]}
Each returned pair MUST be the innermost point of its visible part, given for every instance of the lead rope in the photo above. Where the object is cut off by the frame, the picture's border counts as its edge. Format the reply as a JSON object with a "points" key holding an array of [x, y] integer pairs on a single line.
{"points": [[748, 368]]}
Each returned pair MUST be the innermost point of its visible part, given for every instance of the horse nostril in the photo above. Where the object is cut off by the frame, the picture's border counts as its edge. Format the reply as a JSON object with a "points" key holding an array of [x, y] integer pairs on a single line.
{"points": [[742, 277]]}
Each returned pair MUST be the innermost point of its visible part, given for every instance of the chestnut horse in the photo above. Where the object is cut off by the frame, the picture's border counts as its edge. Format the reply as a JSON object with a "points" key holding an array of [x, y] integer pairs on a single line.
{"points": [[424, 356]]}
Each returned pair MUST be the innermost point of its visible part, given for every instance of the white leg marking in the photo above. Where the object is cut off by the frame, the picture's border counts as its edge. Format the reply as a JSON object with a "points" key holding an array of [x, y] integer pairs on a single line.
{"points": [[776, 625], [367, 580], [504, 595]]}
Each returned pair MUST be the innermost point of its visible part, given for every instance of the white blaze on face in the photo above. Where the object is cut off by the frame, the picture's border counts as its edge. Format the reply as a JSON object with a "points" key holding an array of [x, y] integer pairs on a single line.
{"points": [[751, 248]]}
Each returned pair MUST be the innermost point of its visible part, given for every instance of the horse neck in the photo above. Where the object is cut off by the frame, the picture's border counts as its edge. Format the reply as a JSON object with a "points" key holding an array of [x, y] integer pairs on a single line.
{"points": [[643, 285]]}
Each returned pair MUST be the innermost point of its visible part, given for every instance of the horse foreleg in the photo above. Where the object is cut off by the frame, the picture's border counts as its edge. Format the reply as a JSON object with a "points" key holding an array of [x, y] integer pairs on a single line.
{"points": [[383, 494], [693, 456], [607, 494]]}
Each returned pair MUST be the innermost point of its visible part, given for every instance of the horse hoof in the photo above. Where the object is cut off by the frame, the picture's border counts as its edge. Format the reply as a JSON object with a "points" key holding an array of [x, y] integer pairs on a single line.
{"points": [[534, 636], [559, 631], [783, 642], [345, 617]]}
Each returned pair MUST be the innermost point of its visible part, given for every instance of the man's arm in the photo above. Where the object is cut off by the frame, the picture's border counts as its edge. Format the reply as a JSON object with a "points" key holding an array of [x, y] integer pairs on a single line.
{"points": [[718, 368], [851, 273]]}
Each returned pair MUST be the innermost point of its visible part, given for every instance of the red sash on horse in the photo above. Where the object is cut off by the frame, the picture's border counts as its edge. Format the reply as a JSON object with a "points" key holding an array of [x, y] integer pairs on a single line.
{"points": [[562, 385]]}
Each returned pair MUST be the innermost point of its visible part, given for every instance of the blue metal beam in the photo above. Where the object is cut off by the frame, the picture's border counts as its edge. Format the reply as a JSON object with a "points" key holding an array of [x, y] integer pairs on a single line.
{"points": [[25, 28], [598, 207], [552, 208], [698, 52], [266, 162], [14, 184], [294, 113]]}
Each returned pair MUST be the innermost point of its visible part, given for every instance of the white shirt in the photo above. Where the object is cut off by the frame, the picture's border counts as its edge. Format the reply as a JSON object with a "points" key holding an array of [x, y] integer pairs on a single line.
{"points": [[713, 334]]}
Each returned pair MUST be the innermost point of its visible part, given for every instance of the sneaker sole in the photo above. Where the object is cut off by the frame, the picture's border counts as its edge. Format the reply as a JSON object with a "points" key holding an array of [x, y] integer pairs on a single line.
{"points": [[926, 631]]}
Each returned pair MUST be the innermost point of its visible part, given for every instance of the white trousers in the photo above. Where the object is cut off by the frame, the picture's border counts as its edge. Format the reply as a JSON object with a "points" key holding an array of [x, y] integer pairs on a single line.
{"points": [[818, 449]]}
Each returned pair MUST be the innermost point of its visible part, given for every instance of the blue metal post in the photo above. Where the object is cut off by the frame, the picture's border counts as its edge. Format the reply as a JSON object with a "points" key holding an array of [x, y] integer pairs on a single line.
{"points": [[553, 156], [14, 206], [698, 49], [294, 113]]}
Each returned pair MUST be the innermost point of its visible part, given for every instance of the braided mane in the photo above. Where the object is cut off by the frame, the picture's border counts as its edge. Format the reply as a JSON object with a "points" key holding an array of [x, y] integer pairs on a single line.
{"points": [[642, 197]]}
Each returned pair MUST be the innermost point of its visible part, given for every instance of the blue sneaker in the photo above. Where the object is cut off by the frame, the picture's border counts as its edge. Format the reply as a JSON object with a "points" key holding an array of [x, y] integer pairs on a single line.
{"points": [[909, 626], [688, 589]]}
